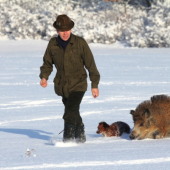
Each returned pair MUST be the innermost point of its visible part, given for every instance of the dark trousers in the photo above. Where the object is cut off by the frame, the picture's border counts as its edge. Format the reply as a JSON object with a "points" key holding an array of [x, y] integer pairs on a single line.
{"points": [[72, 106]]}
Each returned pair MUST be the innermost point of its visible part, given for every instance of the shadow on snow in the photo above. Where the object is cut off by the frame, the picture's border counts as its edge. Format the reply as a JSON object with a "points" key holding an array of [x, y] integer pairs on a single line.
{"points": [[37, 134], [124, 136]]}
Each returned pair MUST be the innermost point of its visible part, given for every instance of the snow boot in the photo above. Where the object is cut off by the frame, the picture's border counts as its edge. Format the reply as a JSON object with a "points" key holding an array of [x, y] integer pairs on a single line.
{"points": [[69, 133], [80, 135]]}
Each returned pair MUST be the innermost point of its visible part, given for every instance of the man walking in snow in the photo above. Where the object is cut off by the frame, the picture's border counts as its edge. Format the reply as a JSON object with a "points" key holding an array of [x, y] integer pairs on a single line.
{"points": [[70, 54]]}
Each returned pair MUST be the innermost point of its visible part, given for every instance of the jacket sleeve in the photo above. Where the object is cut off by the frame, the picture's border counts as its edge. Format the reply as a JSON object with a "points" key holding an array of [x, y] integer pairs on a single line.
{"points": [[90, 65], [47, 67]]}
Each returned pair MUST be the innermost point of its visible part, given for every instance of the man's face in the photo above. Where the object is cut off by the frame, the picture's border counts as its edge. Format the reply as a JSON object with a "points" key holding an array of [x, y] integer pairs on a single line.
{"points": [[65, 35]]}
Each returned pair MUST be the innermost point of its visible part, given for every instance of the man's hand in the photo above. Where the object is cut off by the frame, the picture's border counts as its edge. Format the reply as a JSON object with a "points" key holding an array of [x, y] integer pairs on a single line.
{"points": [[43, 82], [95, 92]]}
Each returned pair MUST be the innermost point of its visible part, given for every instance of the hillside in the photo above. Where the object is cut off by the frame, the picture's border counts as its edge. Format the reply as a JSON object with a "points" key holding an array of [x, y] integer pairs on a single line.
{"points": [[100, 22]]}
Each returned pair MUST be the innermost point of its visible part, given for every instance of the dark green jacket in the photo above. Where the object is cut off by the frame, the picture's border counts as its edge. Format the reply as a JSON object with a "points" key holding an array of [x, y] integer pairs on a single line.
{"points": [[71, 74]]}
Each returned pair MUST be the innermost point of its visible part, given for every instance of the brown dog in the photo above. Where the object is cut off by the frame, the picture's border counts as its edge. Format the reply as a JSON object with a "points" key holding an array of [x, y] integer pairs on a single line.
{"points": [[115, 129]]}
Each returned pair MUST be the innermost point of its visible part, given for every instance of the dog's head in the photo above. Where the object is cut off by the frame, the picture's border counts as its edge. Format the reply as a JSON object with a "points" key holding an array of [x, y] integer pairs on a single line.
{"points": [[102, 127]]}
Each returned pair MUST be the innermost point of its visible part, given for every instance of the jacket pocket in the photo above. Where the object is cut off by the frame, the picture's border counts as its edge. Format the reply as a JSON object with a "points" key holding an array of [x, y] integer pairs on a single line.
{"points": [[75, 60], [76, 54], [75, 50], [57, 56], [77, 83], [58, 86], [73, 82]]}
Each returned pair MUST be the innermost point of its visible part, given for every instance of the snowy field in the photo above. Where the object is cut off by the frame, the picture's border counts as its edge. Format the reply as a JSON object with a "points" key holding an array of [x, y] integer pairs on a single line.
{"points": [[31, 116]]}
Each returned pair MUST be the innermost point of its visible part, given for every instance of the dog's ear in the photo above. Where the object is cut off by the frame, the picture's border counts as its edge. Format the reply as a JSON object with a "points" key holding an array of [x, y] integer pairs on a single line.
{"points": [[101, 123], [105, 125], [132, 112]]}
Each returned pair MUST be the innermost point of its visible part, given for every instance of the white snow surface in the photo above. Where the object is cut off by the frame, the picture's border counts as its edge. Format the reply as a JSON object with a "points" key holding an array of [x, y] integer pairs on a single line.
{"points": [[31, 116], [97, 22]]}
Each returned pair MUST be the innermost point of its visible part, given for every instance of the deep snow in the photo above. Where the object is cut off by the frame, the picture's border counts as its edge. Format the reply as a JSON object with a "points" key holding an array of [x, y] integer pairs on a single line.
{"points": [[31, 116]]}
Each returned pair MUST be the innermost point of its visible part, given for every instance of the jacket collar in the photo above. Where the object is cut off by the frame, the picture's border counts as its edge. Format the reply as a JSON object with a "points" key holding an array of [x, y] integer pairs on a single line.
{"points": [[71, 42]]}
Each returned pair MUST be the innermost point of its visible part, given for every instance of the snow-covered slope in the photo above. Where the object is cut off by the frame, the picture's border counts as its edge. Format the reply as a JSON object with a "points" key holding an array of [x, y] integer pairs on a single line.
{"points": [[100, 22]]}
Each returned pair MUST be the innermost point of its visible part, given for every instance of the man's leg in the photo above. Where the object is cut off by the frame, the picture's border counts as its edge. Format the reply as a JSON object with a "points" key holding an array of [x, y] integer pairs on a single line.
{"points": [[72, 106], [73, 122], [80, 135]]}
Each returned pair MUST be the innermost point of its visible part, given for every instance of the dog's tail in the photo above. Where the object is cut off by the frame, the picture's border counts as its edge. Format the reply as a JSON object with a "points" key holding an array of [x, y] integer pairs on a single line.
{"points": [[123, 127]]}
